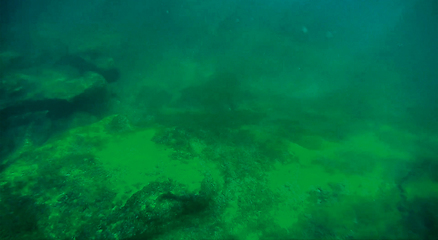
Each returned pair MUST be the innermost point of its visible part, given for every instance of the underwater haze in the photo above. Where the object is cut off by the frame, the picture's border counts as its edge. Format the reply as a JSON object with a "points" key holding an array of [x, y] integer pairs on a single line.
{"points": [[245, 120]]}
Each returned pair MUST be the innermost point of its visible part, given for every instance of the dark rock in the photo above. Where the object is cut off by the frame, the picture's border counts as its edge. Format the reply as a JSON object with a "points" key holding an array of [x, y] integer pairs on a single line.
{"points": [[82, 66], [51, 91]]}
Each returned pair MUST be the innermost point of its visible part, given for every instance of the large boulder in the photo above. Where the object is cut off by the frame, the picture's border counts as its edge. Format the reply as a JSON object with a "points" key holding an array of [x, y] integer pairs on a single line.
{"points": [[56, 92]]}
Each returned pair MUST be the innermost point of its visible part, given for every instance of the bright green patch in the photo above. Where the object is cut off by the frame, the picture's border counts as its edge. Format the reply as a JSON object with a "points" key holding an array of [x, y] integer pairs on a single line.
{"points": [[135, 160]]}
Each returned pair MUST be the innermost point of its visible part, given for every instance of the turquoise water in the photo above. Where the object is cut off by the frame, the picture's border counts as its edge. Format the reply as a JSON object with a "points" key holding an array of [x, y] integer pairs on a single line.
{"points": [[218, 119]]}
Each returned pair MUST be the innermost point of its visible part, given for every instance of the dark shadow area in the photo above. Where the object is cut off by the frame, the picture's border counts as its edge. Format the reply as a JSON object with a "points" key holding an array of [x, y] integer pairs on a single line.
{"points": [[211, 127], [19, 216], [422, 218], [82, 66], [151, 100], [93, 101], [222, 93]]}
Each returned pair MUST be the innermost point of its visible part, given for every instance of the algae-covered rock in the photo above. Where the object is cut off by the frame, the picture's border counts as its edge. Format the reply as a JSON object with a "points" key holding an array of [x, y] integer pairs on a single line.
{"points": [[50, 93], [21, 89], [69, 188]]}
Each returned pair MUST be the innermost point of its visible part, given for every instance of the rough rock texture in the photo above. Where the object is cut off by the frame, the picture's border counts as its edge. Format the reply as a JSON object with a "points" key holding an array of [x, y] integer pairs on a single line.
{"points": [[47, 83], [21, 93], [38, 96], [61, 191]]}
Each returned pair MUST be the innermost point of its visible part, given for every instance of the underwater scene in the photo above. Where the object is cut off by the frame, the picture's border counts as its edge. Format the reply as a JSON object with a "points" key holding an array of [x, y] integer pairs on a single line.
{"points": [[218, 119]]}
